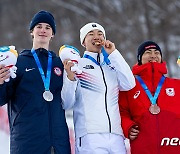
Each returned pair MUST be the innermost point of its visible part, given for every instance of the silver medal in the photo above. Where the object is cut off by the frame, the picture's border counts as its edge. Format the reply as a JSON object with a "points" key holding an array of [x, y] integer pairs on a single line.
{"points": [[48, 96]]}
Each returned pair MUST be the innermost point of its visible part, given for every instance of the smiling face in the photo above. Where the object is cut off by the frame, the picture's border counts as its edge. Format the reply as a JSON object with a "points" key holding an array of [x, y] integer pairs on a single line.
{"points": [[42, 34], [92, 38], [151, 55]]}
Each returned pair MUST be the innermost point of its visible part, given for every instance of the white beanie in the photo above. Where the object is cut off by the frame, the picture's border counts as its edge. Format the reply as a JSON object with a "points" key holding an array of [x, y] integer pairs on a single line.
{"points": [[89, 27]]}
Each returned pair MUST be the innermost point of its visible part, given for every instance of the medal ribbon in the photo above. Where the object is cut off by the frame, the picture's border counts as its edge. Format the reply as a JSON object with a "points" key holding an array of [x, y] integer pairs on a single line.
{"points": [[106, 60], [105, 54], [46, 80], [91, 58], [158, 89]]}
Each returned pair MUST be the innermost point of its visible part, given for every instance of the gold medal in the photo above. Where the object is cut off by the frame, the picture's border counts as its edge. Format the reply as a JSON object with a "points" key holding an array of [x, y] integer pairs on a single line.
{"points": [[154, 109]]}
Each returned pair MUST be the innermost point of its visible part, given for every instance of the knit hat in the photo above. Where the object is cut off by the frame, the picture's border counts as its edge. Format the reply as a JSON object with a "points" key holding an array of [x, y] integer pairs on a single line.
{"points": [[43, 17], [145, 46], [89, 27]]}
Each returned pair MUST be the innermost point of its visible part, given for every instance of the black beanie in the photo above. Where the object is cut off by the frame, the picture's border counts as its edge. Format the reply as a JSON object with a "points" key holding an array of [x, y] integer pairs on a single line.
{"points": [[43, 17], [145, 46]]}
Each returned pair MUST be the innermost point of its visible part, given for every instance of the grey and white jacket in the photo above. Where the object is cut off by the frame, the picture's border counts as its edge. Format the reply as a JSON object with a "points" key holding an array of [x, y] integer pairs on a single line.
{"points": [[94, 94]]}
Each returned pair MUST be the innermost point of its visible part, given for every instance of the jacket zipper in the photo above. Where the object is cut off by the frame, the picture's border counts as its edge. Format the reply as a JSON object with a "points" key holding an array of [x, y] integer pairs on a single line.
{"points": [[52, 150], [157, 122], [80, 142], [50, 123], [98, 60], [153, 79], [49, 114], [158, 135]]}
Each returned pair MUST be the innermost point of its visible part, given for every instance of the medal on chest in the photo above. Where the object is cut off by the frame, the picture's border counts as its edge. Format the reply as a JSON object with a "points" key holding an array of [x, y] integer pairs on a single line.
{"points": [[47, 94], [154, 108]]}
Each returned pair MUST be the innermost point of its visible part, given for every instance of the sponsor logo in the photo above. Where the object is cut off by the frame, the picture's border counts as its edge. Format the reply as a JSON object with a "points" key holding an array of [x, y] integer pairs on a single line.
{"points": [[29, 69], [111, 67], [175, 141], [94, 25], [88, 67], [150, 46], [136, 94]]}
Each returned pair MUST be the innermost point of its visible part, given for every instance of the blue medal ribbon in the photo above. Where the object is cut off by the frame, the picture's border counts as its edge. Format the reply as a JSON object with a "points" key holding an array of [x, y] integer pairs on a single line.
{"points": [[158, 89], [91, 58], [105, 54], [46, 80]]}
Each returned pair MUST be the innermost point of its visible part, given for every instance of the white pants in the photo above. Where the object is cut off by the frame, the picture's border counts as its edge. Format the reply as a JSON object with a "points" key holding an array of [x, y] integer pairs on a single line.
{"points": [[105, 143]]}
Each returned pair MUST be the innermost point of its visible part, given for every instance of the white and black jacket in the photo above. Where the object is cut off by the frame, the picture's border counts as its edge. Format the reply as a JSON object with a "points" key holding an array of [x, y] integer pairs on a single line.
{"points": [[94, 95]]}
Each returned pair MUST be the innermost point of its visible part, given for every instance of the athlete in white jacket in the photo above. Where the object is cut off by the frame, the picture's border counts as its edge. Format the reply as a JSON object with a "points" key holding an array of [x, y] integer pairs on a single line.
{"points": [[93, 95]]}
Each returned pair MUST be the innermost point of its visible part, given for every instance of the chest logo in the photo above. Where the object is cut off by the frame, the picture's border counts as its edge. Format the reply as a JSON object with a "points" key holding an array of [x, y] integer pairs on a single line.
{"points": [[57, 71], [170, 91], [88, 67], [29, 69], [136, 94]]}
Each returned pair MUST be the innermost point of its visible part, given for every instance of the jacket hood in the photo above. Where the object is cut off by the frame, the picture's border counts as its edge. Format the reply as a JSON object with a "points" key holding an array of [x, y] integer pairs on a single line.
{"points": [[150, 73], [149, 69]]}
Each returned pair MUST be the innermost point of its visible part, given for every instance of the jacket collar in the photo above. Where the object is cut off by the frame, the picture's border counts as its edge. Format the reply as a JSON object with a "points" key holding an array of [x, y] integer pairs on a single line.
{"points": [[94, 55], [40, 51], [150, 70], [150, 73]]}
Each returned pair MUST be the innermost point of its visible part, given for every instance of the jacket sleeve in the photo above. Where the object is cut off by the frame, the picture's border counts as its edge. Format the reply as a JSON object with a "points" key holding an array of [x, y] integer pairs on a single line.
{"points": [[126, 79], [5, 93], [68, 93], [126, 121]]}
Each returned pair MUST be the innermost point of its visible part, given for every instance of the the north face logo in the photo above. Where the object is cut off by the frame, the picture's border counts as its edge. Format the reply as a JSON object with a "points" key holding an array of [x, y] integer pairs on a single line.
{"points": [[88, 67]]}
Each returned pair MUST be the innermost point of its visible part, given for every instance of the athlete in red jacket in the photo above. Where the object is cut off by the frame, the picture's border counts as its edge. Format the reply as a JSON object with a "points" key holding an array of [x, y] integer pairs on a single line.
{"points": [[150, 112]]}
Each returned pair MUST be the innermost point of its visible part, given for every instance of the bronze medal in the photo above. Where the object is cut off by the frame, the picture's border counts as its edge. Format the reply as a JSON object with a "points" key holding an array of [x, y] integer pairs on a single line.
{"points": [[154, 109]]}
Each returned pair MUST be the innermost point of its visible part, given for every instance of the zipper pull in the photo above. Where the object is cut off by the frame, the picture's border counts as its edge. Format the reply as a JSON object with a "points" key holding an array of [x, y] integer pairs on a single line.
{"points": [[52, 150], [98, 58]]}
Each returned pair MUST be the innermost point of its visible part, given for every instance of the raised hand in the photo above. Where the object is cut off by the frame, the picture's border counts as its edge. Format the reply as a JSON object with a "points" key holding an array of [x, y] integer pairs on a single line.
{"points": [[67, 66], [109, 46]]}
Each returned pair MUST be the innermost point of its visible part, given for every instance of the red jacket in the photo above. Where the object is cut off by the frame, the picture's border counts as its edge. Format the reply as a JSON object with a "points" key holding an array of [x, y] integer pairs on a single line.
{"points": [[134, 109]]}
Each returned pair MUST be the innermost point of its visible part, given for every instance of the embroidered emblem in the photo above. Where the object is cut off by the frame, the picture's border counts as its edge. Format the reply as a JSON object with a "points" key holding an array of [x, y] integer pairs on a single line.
{"points": [[136, 94], [94, 25], [112, 67], [57, 71], [170, 91]]}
